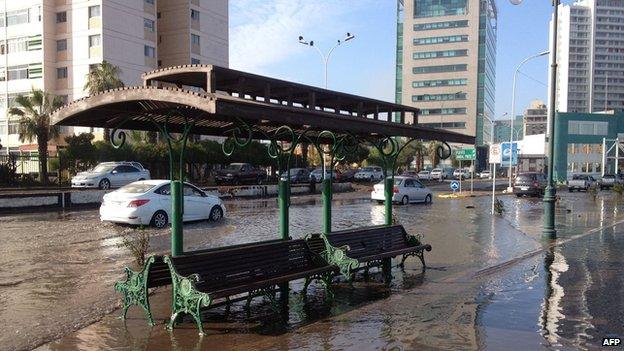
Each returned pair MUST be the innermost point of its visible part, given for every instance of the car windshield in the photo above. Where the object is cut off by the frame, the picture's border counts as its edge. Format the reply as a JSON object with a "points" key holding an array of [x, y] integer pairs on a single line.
{"points": [[437, 170], [232, 168], [367, 169], [608, 176], [103, 168], [136, 188], [397, 181], [423, 172], [579, 177], [525, 177]]}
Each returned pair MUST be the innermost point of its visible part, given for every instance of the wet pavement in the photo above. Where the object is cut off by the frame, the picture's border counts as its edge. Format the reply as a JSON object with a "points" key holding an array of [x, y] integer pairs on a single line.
{"points": [[493, 282]]}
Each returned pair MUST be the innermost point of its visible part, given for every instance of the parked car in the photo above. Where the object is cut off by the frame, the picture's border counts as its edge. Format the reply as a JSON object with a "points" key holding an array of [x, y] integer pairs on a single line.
{"points": [[406, 190], [108, 175], [424, 175], [317, 175], [441, 173], [369, 174], [348, 175], [485, 174], [609, 180], [238, 173], [148, 202], [580, 182], [531, 183], [299, 175], [410, 173], [461, 173]]}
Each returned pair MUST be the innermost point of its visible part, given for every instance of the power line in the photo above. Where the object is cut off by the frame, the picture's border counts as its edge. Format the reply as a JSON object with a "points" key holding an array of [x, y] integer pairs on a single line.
{"points": [[533, 79]]}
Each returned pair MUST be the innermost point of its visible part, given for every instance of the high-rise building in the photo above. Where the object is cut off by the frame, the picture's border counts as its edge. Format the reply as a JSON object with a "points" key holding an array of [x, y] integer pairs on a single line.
{"points": [[446, 62], [502, 129], [591, 56], [535, 118], [52, 45]]}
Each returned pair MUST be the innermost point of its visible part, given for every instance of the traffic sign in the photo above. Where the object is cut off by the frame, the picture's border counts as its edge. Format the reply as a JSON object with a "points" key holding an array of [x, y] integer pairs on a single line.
{"points": [[495, 153], [467, 154], [454, 185], [507, 152]]}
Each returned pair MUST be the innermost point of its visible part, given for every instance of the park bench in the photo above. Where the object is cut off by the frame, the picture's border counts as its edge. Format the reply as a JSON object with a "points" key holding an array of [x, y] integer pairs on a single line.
{"points": [[155, 273], [254, 269], [362, 248]]}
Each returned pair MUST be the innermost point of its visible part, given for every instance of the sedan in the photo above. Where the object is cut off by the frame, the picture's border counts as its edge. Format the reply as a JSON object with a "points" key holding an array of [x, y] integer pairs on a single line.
{"points": [[107, 175], [424, 175], [406, 190], [148, 202]]}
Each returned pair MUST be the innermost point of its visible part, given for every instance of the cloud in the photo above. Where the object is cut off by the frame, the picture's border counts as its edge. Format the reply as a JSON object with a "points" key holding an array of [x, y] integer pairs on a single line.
{"points": [[264, 33]]}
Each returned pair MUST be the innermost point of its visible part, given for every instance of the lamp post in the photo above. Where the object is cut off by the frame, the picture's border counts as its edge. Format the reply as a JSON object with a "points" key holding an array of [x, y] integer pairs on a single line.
{"points": [[324, 57], [513, 107], [550, 191]]}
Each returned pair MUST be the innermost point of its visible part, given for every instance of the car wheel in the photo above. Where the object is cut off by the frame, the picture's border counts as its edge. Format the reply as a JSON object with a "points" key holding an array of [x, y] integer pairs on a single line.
{"points": [[570, 190], [159, 219], [141, 179], [104, 184], [405, 200], [518, 195], [259, 181], [372, 179], [236, 181], [380, 202], [428, 199], [216, 213]]}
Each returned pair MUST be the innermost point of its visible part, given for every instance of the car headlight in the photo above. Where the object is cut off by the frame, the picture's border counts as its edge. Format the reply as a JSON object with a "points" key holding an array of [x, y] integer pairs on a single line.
{"points": [[228, 175]]}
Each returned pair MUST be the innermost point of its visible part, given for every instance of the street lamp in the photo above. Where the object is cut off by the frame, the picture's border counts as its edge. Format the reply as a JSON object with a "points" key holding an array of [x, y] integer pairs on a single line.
{"points": [[324, 57], [550, 191], [513, 102]]}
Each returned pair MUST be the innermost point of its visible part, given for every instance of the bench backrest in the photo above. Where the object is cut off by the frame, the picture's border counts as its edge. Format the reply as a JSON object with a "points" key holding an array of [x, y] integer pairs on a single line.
{"points": [[370, 240], [159, 274], [241, 265]]}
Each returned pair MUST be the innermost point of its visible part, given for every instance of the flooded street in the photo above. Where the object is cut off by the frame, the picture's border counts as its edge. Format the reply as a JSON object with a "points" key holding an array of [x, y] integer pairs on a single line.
{"points": [[492, 282]]}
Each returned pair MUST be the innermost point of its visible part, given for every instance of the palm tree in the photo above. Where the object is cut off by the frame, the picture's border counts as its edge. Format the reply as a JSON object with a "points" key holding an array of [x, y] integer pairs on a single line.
{"points": [[34, 123], [102, 78], [433, 153], [419, 149]]}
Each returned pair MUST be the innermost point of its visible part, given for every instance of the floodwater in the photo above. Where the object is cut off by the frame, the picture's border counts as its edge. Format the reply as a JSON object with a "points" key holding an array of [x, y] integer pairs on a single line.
{"points": [[492, 282]]}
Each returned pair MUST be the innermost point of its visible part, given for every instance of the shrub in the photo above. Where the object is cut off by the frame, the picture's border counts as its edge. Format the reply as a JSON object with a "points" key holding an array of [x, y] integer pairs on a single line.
{"points": [[138, 244]]}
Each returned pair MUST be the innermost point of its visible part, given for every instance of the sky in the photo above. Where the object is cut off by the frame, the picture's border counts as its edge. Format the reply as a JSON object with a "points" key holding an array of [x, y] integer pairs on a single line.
{"points": [[264, 40]]}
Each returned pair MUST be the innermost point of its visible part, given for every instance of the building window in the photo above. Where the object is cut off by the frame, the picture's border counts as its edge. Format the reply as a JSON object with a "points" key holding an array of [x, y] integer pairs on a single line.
{"points": [[149, 51], [18, 72], [149, 25], [440, 40], [95, 40], [195, 61], [195, 40], [447, 125], [61, 17], [194, 15], [443, 111], [439, 97], [61, 45], [439, 54], [61, 73], [588, 128], [94, 11], [439, 69], [151, 2], [439, 83], [17, 17], [434, 8], [440, 25]]}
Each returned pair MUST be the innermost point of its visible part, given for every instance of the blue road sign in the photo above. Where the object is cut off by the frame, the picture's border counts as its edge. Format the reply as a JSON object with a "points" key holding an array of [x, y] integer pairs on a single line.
{"points": [[454, 185], [507, 152]]}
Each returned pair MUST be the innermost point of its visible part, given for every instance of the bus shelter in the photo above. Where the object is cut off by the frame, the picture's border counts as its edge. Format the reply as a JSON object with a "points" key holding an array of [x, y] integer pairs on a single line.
{"points": [[210, 100]]}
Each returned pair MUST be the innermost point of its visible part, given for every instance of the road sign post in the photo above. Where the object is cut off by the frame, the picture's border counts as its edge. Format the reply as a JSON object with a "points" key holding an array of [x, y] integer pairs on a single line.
{"points": [[466, 154], [495, 157], [454, 186]]}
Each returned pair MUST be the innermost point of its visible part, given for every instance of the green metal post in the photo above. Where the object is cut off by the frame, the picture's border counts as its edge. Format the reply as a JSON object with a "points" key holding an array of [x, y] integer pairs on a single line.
{"points": [[284, 204], [389, 192], [550, 191], [177, 240], [327, 197]]}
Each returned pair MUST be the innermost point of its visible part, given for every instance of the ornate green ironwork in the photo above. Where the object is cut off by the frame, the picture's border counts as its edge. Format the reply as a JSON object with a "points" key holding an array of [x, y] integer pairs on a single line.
{"points": [[134, 290], [185, 297], [325, 279], [177, 195], [338, 256]]}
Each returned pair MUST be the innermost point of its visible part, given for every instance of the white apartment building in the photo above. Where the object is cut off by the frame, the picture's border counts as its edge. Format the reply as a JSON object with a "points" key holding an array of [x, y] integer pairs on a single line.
{"points": [[52, 45], [590, 75]]}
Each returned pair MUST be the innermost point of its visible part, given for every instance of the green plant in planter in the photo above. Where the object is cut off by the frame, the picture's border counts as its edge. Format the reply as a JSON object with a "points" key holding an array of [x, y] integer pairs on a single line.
{"points": [[499, 207]]}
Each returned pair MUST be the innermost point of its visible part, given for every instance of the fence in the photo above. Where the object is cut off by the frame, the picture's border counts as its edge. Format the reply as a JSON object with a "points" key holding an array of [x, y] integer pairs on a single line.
{"points": [[16, 170]]}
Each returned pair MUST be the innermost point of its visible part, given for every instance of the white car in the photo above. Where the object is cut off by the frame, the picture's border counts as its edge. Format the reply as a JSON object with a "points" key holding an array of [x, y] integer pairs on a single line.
{"points": [[424, 175], [148, 202], [485, 174], [438, 174], [317, 175], [463, 173], [369, 173], [108, 175], [406, 190]]}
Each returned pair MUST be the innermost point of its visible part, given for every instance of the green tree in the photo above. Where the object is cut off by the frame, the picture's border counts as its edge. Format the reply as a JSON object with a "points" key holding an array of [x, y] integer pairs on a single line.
{"points": [[34, 113], [102, 78], [432, 149], [79, 154]]}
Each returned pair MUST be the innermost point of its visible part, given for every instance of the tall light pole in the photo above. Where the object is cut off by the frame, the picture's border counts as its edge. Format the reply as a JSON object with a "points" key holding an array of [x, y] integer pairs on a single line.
{"points": [[550, 191], [513, 107], [324, 57]]}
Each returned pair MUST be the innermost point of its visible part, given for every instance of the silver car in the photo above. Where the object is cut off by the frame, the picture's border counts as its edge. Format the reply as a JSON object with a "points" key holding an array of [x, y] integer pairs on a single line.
{"points": [[108, 175]]}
